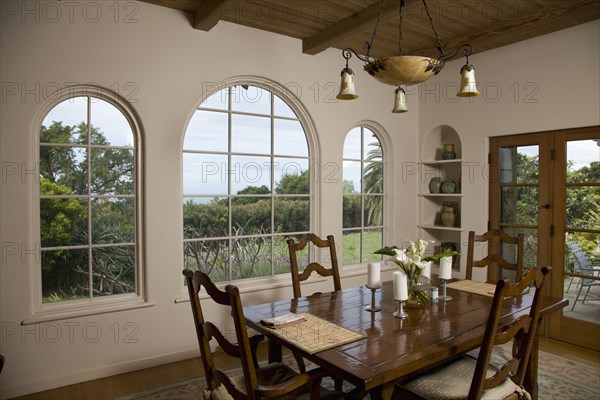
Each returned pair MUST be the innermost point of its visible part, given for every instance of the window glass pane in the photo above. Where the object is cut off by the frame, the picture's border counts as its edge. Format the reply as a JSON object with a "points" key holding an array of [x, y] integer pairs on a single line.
{"points": [[373, 177], [209, 256], [112, 171], [583, 161], [352, 177], [291, 176], [64, 275], [583, 205], [372, 241], [281, 252], [353, 145], [351, 247], [204, 174], [62, 124], [250, 215], [519, 205], [519, 164], [372, 149], [252, 100], [109, 125], [205, 217], [218, 100], [250, 175], [113, 220], [282, 109], [207, 130], [63, 222], [113, 270], [251, 257], [292, 214], [250, 134], [352, 208], [373, 211], [290, 139], [63, 170]]}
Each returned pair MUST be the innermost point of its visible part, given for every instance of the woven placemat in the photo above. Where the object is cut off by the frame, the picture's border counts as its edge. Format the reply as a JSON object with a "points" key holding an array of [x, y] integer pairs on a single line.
{"points": [[482, 288], [316, 334]]}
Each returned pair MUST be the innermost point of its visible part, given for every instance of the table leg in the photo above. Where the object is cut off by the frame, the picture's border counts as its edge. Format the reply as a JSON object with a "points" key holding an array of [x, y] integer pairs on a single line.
{"points": [[530, 383], [274, 351], [383, 392]]}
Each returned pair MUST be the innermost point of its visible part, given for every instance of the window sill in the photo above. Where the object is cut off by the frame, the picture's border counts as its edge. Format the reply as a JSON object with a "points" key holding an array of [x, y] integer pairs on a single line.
{"points": [[254, 285], [59, 313]]}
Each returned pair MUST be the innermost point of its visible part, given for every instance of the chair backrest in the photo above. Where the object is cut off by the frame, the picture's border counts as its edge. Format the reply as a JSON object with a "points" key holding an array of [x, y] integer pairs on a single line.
{"points": [[582, 260], [494, 238], [207, 330], [523, 329], [298, 276]]}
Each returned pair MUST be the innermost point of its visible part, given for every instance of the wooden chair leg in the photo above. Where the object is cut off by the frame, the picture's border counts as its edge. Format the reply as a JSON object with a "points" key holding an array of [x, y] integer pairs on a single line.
{"points": [[300, 362]]}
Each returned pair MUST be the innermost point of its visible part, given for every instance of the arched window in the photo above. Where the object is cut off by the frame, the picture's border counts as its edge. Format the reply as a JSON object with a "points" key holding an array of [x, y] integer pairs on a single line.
{"points": [[89, 207], [363, 196], [246, 184]]}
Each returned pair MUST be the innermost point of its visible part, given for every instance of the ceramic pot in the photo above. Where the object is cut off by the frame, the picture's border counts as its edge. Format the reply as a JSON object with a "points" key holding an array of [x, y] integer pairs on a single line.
{"points": [[448, 187], [435, 185], [448, 216], [448, 153]]}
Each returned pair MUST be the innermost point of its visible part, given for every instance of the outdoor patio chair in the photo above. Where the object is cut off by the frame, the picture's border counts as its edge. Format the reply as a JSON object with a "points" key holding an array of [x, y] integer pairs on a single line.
{"points": [[583, 265]]}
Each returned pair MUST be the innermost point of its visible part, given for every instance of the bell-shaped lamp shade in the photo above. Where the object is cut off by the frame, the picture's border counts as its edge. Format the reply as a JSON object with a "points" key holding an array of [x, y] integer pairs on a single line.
{"points": [[468, 87], [347, 90], [400, 101]]}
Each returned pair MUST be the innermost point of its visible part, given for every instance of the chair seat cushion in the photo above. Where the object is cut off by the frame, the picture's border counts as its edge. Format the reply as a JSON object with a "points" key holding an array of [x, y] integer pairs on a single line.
{"points": [[453, 381]]}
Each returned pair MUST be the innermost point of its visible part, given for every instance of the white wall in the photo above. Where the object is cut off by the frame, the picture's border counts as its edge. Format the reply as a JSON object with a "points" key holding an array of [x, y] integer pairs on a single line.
{"points": [[169, 64]]}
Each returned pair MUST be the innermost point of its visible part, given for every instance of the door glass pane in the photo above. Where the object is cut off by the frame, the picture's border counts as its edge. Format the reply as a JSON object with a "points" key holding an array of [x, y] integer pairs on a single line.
{"points": [[519, 164], [519, 205], [583, 161], [583, 207], [530, 246], [582, 257]]}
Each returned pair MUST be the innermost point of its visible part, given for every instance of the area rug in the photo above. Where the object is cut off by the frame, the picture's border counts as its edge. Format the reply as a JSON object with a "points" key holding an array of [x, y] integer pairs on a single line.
{"points": [[558, 377]]}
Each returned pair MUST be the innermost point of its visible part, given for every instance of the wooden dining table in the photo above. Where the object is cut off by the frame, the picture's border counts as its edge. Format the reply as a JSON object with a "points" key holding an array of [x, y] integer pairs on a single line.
{"points": [[390, 348]]}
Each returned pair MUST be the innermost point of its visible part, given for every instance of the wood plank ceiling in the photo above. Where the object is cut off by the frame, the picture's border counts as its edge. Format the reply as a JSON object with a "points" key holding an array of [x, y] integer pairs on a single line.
{"points": [[320, 24]]}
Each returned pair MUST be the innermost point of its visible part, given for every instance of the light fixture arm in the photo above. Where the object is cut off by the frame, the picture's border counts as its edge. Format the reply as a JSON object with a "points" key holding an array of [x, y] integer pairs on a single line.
{"points": [[347, 54], [467, 51]]}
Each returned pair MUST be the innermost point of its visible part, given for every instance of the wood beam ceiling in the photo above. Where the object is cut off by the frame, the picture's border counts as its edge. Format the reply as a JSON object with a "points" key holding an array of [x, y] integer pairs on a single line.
{"points": [[208, 14]]}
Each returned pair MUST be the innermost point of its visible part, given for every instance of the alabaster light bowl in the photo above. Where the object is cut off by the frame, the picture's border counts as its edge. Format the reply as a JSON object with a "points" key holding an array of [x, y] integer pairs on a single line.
{"points": [[404, 70]]}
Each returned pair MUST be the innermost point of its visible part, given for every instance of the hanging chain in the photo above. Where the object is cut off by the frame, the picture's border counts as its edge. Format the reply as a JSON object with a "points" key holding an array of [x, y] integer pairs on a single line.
{"points": [[400, 9], [369, 45], [437, 37]]}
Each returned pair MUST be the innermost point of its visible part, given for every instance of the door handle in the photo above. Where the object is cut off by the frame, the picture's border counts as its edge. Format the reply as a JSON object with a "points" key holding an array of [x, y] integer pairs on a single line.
{"points": [[546, 206]]}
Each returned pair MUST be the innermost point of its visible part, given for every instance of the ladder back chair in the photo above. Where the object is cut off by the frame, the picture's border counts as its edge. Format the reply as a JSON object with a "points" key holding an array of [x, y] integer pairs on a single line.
{"points": [[275, 380], [467, 378], [298, 276], [494, 238]]}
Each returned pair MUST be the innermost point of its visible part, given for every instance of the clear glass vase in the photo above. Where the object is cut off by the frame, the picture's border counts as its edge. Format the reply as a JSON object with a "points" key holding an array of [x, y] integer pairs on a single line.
{"points": [[419, 288]]}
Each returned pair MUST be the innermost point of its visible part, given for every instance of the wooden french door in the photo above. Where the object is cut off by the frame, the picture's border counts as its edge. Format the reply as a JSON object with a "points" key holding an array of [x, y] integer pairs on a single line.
{"points": [[547, 187]]}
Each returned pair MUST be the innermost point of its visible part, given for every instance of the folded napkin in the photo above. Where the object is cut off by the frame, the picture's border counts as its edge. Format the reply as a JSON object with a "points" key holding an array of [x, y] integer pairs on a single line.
{"points": [[283, 320]]}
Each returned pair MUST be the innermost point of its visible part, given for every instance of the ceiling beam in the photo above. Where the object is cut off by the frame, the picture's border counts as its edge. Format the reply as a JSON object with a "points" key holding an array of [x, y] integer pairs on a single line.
{"points": [[208, 14], [348, 27], [561, 15]]}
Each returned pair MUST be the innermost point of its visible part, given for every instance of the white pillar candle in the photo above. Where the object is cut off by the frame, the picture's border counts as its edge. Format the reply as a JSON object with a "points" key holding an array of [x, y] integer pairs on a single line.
{"points": [[427, 269], [374, 275], [446, 268], [400, 286]]}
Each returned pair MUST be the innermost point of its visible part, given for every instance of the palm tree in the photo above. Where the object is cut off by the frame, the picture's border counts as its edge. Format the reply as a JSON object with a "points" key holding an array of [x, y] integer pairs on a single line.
{"points": [[373, 183]]}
